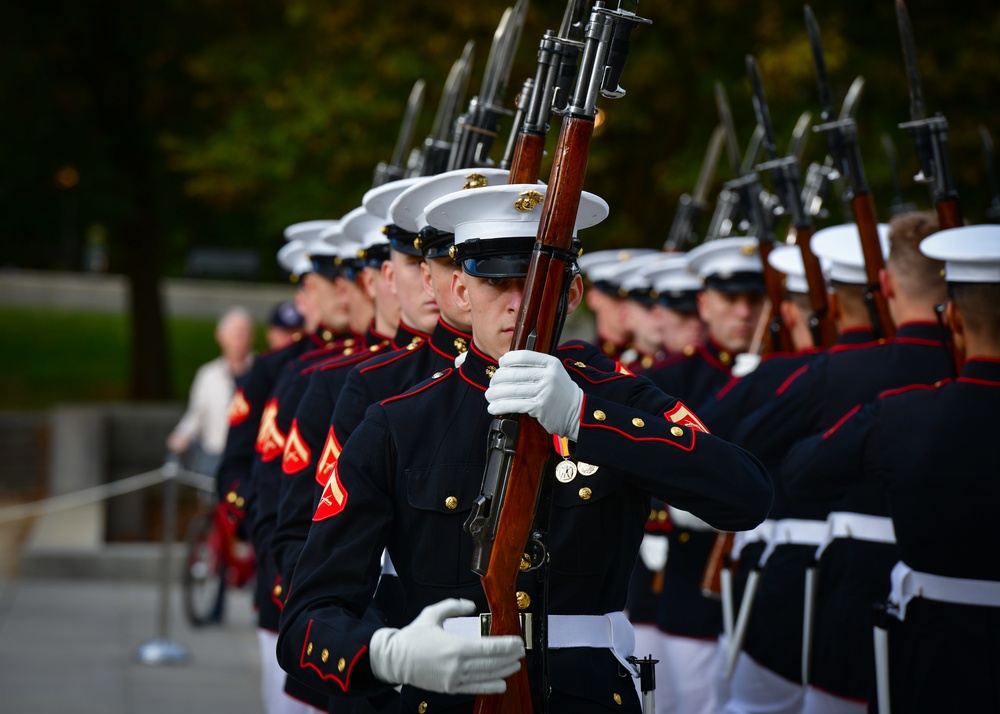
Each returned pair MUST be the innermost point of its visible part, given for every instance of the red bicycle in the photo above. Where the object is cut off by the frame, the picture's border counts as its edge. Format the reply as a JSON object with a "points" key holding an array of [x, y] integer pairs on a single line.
{"points": [[216, 559]]}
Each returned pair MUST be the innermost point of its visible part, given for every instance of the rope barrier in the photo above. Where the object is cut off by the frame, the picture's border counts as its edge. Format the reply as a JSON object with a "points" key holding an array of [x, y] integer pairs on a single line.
{"points": [[102, 492]]}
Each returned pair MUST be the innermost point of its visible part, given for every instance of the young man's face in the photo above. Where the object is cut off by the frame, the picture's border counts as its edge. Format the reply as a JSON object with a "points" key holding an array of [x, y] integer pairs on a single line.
{"points": [[419, 310], [680, 329], [437, 274], [731, 317], [493, 304], [330, 295]]}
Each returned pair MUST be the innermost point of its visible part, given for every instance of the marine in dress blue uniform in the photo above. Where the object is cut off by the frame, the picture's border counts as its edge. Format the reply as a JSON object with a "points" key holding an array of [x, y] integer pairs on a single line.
{"points": [[853, 571], [930, 448], [410, 490], [603, 272]]}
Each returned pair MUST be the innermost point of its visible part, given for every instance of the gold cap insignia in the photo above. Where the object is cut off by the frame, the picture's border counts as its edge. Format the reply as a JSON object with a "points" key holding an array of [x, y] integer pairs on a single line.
{"points": [[452, 251], [475, 181], [385, 229], [361, 253], [528, 200], [748, 249]]}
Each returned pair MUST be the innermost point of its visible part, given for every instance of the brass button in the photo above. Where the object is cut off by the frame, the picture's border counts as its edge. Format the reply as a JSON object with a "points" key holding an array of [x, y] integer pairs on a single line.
{"points": [[579, 364], [647, 361], [685, 537], [662, 516], [348, 352], [325, 654], [725, 358], [309, 648], [676, 431], [422, 708], [525, 562], [231, 496], [277, 591], [349, 342], [523, 600], [600, 416], [652, 514], [585, 493], [341, 664], [637, 422], [617, 698], [240, 502], [689, 350], [451, 503]]}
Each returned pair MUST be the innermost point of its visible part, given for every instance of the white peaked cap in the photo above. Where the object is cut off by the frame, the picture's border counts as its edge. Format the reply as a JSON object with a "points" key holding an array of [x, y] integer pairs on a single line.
{"points": [[971, 254], [378, 200], [363, 228], [507, 211], [787, 259], [841, 246], [407, 208], [307, 230], [724, 257], [293, 257], [672, 275]]}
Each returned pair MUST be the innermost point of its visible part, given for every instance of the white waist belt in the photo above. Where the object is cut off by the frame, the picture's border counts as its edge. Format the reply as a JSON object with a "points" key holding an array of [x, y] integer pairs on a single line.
{"points": [[794, 531], [741, 539], [612, 631], [875, 529], [908, 584]]}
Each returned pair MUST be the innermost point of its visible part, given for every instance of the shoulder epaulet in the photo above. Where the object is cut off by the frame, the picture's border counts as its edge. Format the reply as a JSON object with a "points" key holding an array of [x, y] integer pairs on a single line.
{"points": [[437, 378], [913, 388], [859, 346], [592, 374]]}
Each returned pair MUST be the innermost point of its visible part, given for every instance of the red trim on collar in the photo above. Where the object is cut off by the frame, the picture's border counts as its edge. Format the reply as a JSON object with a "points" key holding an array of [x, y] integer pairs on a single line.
{"points": [[974, 380]]}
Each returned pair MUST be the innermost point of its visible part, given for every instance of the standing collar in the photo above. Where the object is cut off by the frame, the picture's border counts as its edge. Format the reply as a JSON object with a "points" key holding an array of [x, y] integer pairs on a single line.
{"points": [[478, 369], [982, 370], [449, 341], [406, 336], [723, 358], [856, 336]]}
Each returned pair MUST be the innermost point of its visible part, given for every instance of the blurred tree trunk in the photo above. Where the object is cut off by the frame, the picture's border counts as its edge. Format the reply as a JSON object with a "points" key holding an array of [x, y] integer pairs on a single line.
{"points": [[115, 60]]}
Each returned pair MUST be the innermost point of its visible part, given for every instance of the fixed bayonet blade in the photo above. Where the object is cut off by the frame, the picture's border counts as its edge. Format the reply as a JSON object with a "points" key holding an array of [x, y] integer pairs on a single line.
{"points": [[849, 108], [453, 95], [707, 172], [726, 122], [797, 144], [819, 62], [910, 59], [413, 105], [761, 110], [753, 150], [501, 57]]}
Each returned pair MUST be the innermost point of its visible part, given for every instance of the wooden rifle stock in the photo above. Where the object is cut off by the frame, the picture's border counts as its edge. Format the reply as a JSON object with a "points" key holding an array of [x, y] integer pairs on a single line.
{"points": [[863, 206], [527, 161], [711, 579], [781, 340], [949, 214], [825, 331], [537, 318]]}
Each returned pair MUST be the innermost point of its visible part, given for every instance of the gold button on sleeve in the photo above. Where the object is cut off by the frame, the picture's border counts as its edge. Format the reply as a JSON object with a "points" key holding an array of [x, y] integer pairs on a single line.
{"points": [[585, 493], [240, 502], [451, 503], [637, 422], [618, 698], [341, 664], [579, 364], [676, 431], [422, 707], [231, 496], [600, 416], [278, 590], [325, 654], [684, 537], [523, 600], [309, 648]]}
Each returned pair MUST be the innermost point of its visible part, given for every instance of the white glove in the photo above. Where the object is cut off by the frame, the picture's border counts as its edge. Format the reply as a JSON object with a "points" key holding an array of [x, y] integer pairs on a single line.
{"points": [[535, 383], [423, 655], [745, 364], [653, 551]]}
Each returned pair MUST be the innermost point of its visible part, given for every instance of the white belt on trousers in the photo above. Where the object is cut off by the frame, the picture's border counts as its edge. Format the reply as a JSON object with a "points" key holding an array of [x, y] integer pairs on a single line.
{"points": [[794, 531], [612, 631], [908, 583], [741, 539], [875, 529]]}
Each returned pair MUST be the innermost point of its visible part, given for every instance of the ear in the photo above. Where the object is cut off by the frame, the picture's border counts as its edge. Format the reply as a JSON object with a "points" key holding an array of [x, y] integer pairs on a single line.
{"points": [[702, 307], [459, 292], [575, 294], [957, 325], [366, 279], [425, 279], [389, 275], [887, 283]]}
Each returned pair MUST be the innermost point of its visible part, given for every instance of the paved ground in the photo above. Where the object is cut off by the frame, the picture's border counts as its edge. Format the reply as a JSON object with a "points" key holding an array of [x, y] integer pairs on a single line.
{"points": [[67, 646]]}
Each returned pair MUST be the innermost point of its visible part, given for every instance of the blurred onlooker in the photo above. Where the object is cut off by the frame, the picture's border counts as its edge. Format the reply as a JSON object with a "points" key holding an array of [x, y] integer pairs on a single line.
{"points": [[285, 322], [201, 432]]}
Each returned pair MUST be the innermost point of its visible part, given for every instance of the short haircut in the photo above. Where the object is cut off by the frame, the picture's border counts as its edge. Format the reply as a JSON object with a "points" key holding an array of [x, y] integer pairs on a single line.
{"points": [[979, 305], [916, 275]]}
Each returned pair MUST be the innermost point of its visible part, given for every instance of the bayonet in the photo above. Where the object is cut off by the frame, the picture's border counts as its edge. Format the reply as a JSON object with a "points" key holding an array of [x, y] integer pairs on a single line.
{"points": [[384, 173], [797, 144], [917, 111], [433, 157]]}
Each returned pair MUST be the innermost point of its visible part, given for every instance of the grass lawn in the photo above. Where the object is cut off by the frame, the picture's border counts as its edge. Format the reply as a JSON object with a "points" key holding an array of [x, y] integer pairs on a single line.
{"points": [[49, 357]]}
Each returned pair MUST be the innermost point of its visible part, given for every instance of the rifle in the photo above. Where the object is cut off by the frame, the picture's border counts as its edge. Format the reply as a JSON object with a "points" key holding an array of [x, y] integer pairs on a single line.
{"points": [[785, 173], [691, 206], [898, 206], [929, 133], [542, 96], [519, 448], [394, 169], [843, 138], [432, 159], [477, 128]]}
